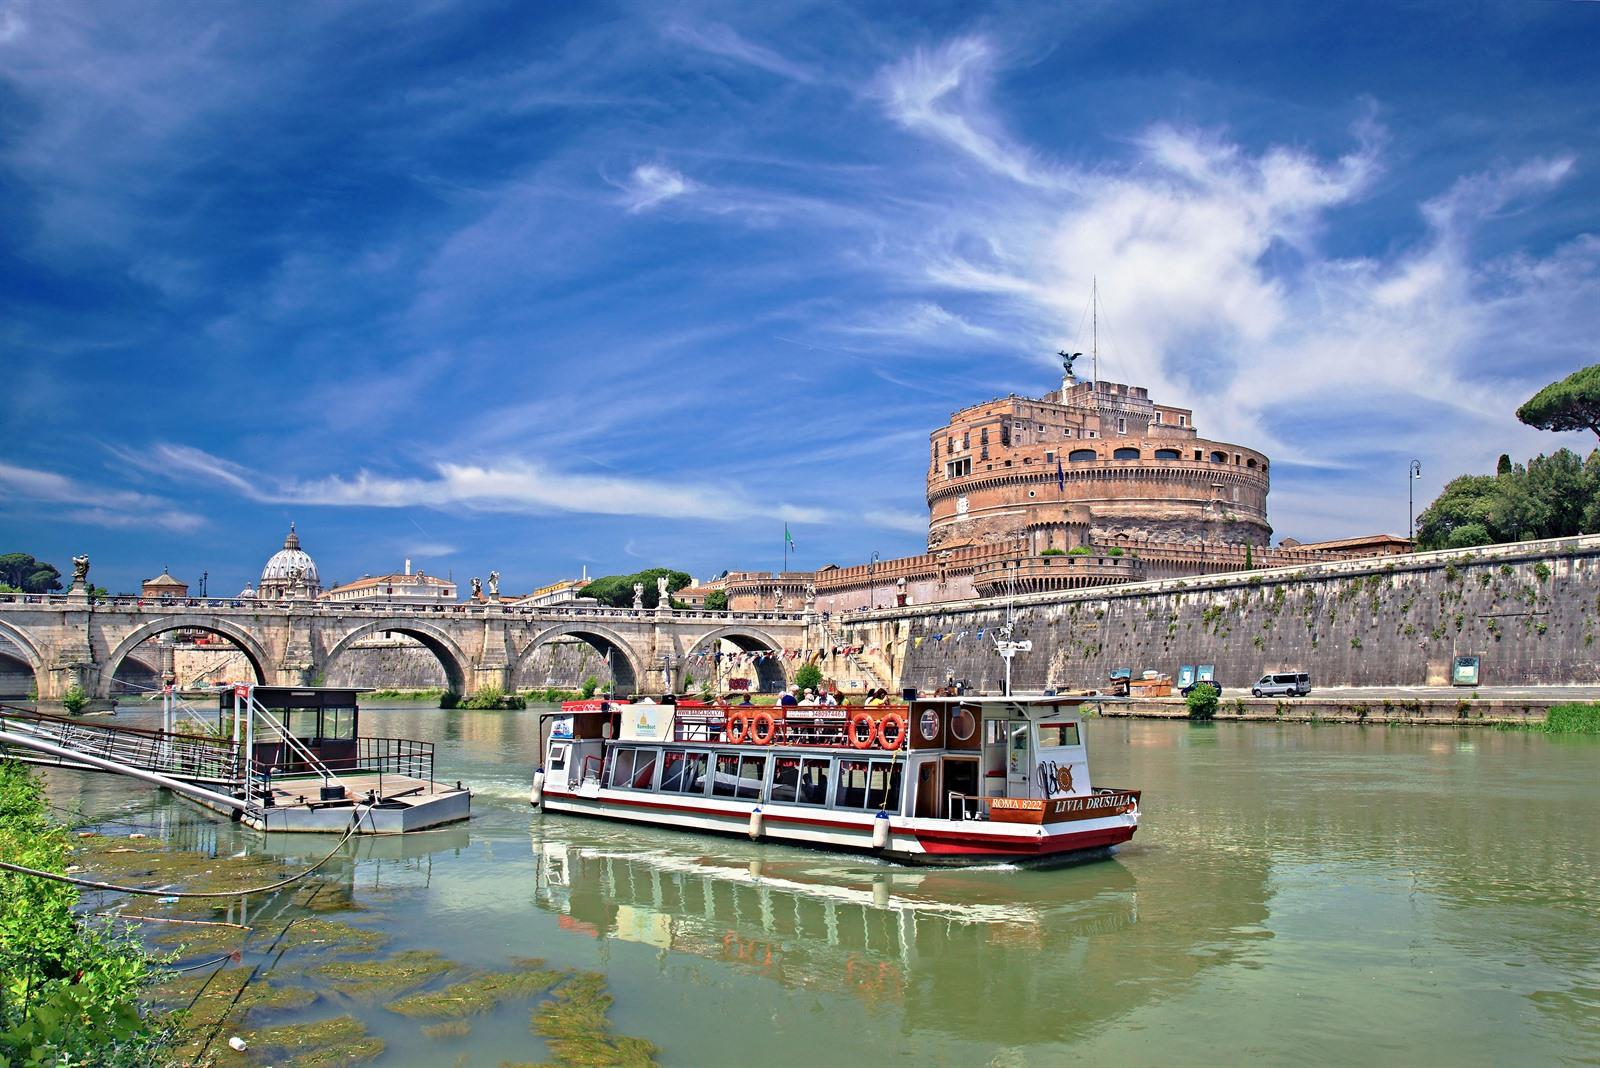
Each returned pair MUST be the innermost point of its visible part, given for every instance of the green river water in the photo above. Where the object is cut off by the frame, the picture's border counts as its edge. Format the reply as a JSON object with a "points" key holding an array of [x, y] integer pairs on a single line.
{"points": [[1296, 893]]}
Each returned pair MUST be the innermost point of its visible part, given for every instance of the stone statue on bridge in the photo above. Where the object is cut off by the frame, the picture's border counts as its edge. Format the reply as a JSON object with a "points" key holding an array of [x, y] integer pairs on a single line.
{"points": [[638, 595], [663, 598], [477, 588], [80, 571], [494, 585]]}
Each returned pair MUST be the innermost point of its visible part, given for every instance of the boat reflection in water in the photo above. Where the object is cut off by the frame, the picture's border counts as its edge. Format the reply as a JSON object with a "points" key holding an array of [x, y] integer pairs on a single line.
{"points": [[940, 945]]}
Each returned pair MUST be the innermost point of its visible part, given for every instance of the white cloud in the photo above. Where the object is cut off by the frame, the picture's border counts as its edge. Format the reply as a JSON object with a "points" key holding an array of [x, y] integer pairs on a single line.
{"points": [[652, 184], [92, 505], [943, 94], [720, 39]]}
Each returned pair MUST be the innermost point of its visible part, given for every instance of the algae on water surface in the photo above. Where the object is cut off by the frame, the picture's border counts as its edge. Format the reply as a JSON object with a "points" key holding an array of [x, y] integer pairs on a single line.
{"points": [[574, 1025], [478, 994]]}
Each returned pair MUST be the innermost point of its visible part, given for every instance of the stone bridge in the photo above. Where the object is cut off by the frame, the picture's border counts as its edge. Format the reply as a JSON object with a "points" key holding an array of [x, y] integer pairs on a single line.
{"points": [[69, 639]]}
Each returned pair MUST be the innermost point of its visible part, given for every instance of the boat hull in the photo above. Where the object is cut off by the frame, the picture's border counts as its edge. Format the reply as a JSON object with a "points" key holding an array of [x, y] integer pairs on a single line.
{"points": [[911, 841]]}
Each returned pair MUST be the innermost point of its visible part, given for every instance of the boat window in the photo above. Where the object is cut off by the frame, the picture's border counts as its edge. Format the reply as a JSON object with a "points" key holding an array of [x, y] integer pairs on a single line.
{"points": [[851, 791], [558, 757], [1056, 734], [883, 785], [962, 724], [621, 768], [339, 723], [785, 779], [644, 768], [994, 732], [302, 722], [683, 773], [814, 780], [752, 773], [727, 777]]}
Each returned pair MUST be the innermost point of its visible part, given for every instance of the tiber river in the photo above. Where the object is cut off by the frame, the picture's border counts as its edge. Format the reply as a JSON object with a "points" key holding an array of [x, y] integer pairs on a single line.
{"points": [[1296, 894]]}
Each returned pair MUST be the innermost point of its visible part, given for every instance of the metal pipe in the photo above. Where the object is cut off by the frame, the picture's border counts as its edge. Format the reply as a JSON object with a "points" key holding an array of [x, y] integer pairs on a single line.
{"points": [[41, 746]]}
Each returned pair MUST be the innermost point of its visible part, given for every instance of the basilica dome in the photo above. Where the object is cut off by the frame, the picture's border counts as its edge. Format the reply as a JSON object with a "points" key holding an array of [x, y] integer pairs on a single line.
{"points": [[290, 572]]}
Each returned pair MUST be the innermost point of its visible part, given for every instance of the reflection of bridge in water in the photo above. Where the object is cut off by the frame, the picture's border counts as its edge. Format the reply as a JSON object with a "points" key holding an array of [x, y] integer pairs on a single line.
{"points": [[68, 639], [996, 954]]}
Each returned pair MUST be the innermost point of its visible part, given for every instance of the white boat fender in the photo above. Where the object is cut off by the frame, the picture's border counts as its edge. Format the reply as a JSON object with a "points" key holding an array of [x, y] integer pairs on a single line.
{"points": [[756, 821], [536, 795], [880, 830]]}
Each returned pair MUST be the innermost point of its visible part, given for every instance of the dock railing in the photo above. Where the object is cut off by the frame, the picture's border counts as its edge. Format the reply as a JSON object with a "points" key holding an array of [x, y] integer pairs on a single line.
{"points": [[184, 756]]}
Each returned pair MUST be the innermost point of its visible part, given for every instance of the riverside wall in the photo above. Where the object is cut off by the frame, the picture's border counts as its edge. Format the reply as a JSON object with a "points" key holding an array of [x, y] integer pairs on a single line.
{"points": [[1531, 611]]}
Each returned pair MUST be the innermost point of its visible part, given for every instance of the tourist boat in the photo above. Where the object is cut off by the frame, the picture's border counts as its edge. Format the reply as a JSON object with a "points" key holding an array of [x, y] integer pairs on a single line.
{"points": [[957, 780]]}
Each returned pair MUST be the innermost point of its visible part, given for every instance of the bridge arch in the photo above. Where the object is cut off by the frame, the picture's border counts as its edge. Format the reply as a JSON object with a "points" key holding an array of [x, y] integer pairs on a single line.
{"points": [[457, 665], [626, 670], [252, 649], [26, 654], [770, 674]]}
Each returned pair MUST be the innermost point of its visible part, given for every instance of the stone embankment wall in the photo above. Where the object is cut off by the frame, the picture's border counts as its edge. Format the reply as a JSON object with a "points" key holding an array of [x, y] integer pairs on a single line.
{"points": [[1531, 611]]}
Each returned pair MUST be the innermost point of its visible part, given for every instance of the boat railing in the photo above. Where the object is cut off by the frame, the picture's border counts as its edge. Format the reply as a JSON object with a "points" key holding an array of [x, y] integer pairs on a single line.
{"points": [[803, 726]]}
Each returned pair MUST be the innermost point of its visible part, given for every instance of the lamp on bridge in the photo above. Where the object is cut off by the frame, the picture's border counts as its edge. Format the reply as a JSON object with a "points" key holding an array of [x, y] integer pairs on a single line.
{"points": [[1413, 473]]}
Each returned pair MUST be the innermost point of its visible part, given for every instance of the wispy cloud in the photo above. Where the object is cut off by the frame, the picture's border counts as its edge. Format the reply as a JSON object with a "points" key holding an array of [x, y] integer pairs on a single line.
{"points": [[719, 39], [92, 505], [651, 184]]}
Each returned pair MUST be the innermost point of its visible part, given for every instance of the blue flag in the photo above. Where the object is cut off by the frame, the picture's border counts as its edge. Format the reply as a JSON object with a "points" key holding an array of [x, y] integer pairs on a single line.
{"points": [[1061, 476]]}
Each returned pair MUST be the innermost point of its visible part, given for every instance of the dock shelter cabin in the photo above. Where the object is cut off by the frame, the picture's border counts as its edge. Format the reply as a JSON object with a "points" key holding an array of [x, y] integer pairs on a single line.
{"points": [[820, 774], [308, 761]]}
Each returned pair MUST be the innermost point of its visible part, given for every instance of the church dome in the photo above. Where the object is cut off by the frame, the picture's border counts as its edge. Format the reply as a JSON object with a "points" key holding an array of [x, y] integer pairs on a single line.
{"points": [[290, 566]]}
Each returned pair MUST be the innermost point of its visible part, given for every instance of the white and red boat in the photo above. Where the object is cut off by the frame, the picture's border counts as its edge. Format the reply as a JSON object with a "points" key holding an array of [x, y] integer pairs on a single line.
{"points": [[948, 780]]}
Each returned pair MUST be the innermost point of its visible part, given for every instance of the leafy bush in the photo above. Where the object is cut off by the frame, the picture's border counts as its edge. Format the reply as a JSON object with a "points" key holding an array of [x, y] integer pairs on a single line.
{"points": [[492, 697], [1078, 550], [1053, 552], [809, 677], [1115, 550], [1202, 702], [67, 991], [590, 685], [717, 601], [74, 699], [1572, 719], [617, 590]]}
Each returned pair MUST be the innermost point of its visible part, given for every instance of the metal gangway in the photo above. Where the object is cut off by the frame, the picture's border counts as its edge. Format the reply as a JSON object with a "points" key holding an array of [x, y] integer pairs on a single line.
{"points": [[60, 741]]}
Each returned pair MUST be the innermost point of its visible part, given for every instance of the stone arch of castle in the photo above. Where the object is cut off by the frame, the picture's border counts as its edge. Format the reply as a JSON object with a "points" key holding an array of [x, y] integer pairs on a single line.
{"points": [[770, 672]]}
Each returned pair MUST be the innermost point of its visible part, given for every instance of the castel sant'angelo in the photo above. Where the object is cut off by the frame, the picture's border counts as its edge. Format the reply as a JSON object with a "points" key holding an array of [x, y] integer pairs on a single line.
{"points": [[1091, 484]]}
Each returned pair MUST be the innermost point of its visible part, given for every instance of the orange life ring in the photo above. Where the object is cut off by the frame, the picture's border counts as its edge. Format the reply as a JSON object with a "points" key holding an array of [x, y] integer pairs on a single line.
{"points": [[896, 721], [763, 728], [853, 732], [738, 726]]}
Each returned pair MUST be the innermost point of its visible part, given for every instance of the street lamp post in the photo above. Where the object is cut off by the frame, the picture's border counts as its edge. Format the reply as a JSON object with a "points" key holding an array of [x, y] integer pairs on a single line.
{"points": [[872, 582], [1413, 473]]}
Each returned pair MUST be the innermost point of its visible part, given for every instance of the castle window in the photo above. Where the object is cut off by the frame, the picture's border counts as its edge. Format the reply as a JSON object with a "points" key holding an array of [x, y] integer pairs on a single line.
{"points": [[1183, 420], [958, 468], [1219, 457], [1126, 454], [1079, 456], [1158, 417], [1122, 425], [1049, 457], [1250, 462], [983, 452], [1168, 454], [983, 436]]}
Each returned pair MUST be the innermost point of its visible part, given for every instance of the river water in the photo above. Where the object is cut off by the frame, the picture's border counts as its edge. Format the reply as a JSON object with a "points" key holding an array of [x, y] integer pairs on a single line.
{"points": [[1306, 893]]}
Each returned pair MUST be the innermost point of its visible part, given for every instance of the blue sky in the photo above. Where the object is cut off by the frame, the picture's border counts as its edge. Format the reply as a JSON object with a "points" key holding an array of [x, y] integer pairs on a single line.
{"points": [[496, 286]]}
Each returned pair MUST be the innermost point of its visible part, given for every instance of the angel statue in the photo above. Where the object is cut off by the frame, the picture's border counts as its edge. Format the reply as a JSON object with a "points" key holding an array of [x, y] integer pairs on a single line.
{"points": [[477, 588], [80, 570], [638, 595], [494, 585], [1067, 360], [663, 598]]}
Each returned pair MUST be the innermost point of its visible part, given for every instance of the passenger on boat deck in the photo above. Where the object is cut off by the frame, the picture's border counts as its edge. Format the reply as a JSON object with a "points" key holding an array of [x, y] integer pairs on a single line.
{"points": [[746, 702], [810, 698], [789, 697], [875, 698], [838, 697], [829, 699]]}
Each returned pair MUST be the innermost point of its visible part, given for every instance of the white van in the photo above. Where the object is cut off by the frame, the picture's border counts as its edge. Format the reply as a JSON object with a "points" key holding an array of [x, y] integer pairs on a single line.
{"points": [[1289, 685]]}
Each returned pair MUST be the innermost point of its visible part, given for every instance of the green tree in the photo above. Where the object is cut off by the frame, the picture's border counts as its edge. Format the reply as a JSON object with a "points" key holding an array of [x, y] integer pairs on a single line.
{"points": [[617, 590], [717, 601], [1570, 404], [809, 677], [1202, 701], [22, 572], [1551, 497]]}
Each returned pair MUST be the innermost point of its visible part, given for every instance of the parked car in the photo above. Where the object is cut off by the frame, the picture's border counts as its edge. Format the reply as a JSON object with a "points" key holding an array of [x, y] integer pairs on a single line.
{"points": [[1213, 683], [1285, 685]]}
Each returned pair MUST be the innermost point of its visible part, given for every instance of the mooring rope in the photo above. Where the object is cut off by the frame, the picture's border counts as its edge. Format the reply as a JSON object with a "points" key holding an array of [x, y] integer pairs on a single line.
{"points": [[92, 884]]}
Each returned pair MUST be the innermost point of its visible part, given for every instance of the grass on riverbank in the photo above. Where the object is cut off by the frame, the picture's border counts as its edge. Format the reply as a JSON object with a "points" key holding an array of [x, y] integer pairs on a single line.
{"points": [[1573, 719], [68, 991], [403, 695]]}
